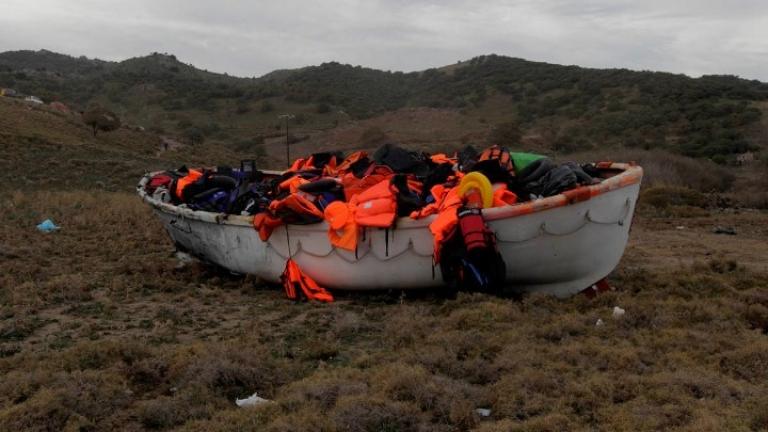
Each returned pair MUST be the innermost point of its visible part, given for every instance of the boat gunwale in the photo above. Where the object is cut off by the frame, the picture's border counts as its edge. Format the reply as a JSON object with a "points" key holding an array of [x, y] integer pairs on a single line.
{"points": [[630, 174]]}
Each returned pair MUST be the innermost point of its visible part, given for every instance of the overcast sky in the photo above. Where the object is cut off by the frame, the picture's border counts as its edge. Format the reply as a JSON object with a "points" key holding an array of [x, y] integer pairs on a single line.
{"points": [[251, 38]]}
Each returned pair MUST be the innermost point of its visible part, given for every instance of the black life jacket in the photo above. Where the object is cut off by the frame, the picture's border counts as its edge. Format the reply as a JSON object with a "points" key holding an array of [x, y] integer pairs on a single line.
{"points": [[496, 163]]}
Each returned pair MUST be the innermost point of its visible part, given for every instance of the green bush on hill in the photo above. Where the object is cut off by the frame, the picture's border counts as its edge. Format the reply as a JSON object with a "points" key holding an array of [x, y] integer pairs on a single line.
{"points": [[704, 117]]}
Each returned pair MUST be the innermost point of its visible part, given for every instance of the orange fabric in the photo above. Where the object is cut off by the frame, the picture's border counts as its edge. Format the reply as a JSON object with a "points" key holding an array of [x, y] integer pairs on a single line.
{"points": [[473, 198], [296, 203], [376, 206], [351, 159], [441, 158], [298, 165], [265, 224], [439, 192], [330, 168], [340, 217], [502, 196], [447, 201], [353, 185], [500, 154], [604, 165], [186, 181], [292, 184], [337, 215], [294, 278], [446, 220], [415, 185], [310, 163]]}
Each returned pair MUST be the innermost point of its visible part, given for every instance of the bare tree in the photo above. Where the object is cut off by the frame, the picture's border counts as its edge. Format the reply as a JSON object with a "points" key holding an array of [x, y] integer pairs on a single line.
{"points": [[101, 119]]}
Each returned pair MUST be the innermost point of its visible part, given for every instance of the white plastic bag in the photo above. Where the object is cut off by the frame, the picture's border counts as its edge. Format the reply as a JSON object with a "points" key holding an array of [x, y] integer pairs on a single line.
{"points": [[252, 400]]}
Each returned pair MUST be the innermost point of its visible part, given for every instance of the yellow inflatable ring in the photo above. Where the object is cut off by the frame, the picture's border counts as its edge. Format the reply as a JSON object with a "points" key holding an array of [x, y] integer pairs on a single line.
{"points": [[476, 180]]}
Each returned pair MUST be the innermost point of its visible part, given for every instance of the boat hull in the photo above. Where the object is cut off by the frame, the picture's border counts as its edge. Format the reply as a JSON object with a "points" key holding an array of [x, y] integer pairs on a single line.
{"points": [[557, 245]]}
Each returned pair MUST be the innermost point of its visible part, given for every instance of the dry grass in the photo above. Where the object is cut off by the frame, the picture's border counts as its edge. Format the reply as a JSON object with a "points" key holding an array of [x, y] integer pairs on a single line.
{"points": [[751, 189], [45, 149], [100, 331]]}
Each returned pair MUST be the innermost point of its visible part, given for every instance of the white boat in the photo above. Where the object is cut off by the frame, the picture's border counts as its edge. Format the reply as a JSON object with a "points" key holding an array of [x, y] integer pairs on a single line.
{"points": [[559, 245]]}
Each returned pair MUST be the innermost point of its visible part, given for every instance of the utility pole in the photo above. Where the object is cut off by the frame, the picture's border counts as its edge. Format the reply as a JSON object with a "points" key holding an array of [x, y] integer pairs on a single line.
{"points": [[286, 118]]}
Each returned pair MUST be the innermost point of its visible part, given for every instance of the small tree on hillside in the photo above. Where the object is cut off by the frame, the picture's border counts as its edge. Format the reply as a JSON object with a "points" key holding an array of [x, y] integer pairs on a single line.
{"points": [[101, 119]]}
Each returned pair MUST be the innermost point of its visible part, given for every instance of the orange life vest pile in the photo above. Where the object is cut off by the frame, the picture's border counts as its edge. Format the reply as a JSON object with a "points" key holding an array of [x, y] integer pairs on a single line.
{"points": [[359, 192], [370, 197], [364, 195]]}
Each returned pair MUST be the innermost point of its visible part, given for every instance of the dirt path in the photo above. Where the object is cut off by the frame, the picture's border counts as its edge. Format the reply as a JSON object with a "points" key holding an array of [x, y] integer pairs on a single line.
{"points": [[667, 243]]}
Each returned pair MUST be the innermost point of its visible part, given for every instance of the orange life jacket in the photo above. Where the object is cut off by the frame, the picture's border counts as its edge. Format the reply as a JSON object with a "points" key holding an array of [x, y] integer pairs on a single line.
{"points": [[293, 278], [342, 228], [439, 192], [353, 185], [298, 165], [346, 165], [292, 183], [446, 220], [502, 196], [414, 185], [309, 163], [265, 224], [500, 154], [298, 205], [441, 158], [330, 168], [447, 202], [376, 206], [185, 181]]}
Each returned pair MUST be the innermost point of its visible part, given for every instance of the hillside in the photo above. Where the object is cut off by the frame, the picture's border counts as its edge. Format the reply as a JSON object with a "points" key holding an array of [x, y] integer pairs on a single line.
{"points": [[44, 149], [565, 108]]}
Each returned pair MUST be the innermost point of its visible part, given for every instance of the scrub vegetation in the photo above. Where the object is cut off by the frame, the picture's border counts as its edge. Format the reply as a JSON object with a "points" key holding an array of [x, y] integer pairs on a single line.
{"points": [[103, 328], [568, 108]]}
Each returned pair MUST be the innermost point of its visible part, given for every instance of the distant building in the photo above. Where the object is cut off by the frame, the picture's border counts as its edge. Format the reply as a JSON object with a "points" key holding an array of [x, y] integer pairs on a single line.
{"points": [[33, 99], [745, 158]]}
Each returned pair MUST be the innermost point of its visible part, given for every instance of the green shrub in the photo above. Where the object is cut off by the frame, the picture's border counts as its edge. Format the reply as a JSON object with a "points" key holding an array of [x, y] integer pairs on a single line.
{"points": [[666, 196]]}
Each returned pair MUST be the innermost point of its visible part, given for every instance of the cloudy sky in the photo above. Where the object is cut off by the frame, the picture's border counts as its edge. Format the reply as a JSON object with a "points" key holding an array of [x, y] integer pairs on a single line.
{"points": [[250, 38]]}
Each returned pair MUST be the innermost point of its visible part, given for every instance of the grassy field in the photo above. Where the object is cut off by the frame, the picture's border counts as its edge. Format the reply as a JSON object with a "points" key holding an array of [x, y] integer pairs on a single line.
{"points": [[101, 328]]}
